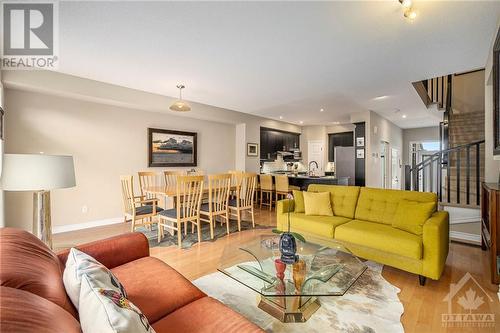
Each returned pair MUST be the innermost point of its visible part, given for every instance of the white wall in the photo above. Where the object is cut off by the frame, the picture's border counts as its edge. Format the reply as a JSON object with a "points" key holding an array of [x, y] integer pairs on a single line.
{"points": [[380, 129], [2, 213], [491, 166]]}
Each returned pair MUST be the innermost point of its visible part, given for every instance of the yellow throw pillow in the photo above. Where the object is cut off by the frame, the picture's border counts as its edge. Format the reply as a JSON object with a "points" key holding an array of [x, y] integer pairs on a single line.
{"points": [[317, 203], [298, 197], [411, 215]]}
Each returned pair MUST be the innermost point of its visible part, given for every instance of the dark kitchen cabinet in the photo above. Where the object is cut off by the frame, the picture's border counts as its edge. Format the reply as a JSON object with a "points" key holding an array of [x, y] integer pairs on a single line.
{"points": [[345, 139], [272, 141]]}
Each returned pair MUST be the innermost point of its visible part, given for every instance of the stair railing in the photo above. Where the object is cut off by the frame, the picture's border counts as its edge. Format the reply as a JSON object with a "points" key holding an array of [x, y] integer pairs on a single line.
{"points": [[427, 176]]}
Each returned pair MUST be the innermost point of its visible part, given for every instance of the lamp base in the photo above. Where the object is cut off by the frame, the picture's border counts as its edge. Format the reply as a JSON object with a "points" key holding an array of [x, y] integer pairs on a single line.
{"points": [[42, 226]]}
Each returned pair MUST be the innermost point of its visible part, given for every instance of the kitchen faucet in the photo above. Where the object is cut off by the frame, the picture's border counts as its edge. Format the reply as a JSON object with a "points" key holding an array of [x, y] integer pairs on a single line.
{"points": [[309, 168]]}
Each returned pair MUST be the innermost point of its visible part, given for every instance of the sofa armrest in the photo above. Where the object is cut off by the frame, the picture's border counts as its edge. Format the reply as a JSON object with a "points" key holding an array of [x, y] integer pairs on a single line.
{"points": [[282, 206], [436, 244], [114, 251]]}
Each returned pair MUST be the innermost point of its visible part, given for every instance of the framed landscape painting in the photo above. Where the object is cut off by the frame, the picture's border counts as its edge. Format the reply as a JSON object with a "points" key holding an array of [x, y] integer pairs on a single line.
{"points": [[169, 148]]}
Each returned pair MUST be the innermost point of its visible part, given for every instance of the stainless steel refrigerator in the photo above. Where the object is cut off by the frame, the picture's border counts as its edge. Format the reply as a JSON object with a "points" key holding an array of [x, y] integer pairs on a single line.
{"points": [[344, 163]]}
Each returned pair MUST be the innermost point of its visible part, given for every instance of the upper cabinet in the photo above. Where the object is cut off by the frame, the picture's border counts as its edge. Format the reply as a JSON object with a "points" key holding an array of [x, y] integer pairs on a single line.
{"points": [[345, 139], [272, 141]]}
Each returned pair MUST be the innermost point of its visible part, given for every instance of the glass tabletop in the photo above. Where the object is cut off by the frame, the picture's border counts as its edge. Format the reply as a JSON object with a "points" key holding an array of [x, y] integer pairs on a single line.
{"points": [[321, 271]]}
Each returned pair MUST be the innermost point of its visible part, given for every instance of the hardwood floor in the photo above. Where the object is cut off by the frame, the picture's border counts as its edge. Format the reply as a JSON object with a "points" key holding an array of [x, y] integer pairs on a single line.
{"points": [[423, 306]]}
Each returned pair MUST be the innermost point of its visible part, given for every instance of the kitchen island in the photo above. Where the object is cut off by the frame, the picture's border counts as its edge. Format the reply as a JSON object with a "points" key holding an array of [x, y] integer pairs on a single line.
{"points": [[303, 181]]}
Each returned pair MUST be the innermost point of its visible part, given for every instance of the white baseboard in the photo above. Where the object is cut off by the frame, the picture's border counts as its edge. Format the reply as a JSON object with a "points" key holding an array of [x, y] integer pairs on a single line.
{"points": [[471, 238], [79, 226]]}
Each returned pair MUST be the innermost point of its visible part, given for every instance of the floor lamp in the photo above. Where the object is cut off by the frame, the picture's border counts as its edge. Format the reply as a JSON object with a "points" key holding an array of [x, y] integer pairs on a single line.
{"points": [[38, 173]]}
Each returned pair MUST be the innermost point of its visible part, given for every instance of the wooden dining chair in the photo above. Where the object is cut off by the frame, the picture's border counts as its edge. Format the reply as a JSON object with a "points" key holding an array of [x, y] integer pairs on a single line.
{"points": [[137, 208], [148, 179], [244, 197], [170, 177], [267, 190], [282, 187], [187, 209], [219, 187], [235, 178]]}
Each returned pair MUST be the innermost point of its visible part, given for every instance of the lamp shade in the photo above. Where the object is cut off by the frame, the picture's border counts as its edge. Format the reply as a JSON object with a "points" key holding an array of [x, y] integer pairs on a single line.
{"points": [[37, 172]]}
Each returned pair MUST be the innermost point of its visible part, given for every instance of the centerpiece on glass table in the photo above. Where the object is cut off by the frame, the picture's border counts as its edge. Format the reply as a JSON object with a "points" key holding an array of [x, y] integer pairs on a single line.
{"points": [[288, 244]]}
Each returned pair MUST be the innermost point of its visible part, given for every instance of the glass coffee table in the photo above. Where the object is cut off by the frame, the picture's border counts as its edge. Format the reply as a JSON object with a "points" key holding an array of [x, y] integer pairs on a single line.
{"points": [[290, 292]]}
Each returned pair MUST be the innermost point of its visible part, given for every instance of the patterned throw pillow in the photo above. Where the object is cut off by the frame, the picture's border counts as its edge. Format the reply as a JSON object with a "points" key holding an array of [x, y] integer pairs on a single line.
{"points": [[80, 263], [103, 309]]}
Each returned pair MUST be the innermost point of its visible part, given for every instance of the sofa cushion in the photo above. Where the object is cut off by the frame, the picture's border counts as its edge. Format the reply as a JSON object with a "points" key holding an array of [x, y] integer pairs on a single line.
{"points": [[155, 288], [411, 215], [318, 204], [343, 198], [379, 205], [205, 315], [381, 237], [24, 312], [28, 264], [298, 197], [318, 225]]}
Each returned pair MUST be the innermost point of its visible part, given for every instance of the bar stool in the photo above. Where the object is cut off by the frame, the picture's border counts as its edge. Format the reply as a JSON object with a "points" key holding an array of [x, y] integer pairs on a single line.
{"points": [[267, 188], [283, 187]]}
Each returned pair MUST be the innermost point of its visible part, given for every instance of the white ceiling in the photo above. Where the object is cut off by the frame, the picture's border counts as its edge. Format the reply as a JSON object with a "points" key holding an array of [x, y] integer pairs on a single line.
{"points": [[274, 59]]}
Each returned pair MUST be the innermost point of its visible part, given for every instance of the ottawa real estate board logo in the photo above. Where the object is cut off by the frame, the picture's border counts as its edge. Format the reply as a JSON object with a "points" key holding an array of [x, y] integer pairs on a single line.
{"points": [[29, 35], [468, 305]]}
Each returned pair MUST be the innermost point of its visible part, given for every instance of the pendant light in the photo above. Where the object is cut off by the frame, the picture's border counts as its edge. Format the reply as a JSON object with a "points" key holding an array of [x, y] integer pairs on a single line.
{"points": [[180, 105]]}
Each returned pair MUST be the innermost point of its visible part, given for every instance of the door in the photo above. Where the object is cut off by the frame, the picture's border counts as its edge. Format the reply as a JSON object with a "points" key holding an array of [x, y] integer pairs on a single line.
{"points": [[384, 164], [395, 170], [315, 152]]}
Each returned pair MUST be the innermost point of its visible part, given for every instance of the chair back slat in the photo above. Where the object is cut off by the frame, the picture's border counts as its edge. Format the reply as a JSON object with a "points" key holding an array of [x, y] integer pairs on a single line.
{"points": [[189, 194], [246, 189], [170, 177], [266, 182], [235, 176], [127, 184], [219, 187], [281, 183], [148, 179]]}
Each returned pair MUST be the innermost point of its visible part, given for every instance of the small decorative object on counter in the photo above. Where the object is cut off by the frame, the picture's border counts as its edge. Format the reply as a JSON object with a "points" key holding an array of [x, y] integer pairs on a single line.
{"points": [[288, 245]]}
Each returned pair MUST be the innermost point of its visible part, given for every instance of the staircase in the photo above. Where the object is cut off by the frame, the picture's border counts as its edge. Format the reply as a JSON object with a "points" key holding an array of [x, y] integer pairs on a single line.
{"points": [[457, 170]]}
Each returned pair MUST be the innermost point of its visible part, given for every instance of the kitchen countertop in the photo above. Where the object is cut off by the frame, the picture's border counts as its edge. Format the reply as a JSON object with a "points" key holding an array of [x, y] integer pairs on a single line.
{"points": [[299, 176]]}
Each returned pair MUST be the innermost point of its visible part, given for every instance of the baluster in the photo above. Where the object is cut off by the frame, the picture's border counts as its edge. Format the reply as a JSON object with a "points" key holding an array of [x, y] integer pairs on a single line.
{"points": [[417, 180], [423, 177], [439, 174], [458, 176], [431, 172], [448, 182], [478, 164], [467, 184]]}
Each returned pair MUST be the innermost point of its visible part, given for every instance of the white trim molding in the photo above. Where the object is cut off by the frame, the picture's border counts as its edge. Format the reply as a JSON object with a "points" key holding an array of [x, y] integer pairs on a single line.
{"points": [[469, 238], [79, 226]]}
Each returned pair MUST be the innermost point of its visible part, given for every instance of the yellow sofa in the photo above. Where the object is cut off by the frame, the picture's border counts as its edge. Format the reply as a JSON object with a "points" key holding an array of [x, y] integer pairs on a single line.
{"points": [[363, 222]]}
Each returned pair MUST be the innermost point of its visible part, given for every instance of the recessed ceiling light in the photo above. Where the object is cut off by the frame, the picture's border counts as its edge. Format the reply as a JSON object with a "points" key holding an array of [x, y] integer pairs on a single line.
{"points": [[404, 116], [321, 110], [380, 97], [281, 117], [301, 122], [406, 3], [410, 14]]}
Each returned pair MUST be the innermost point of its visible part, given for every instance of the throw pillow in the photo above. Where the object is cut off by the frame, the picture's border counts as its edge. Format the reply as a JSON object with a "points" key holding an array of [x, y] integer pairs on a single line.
{"points": [[80, 263], [103, 309], [298, 198], [318, 203], [411, 215]]}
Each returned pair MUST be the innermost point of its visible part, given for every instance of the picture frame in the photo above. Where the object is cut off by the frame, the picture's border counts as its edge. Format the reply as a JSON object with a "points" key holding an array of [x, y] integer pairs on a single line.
{"points": [[170, 148], [252, 149], [360, 141], [360, 153]]}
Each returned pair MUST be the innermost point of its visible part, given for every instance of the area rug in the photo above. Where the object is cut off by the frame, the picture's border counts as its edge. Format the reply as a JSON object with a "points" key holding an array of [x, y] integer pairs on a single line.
{"points": [[192, 238], [370, 305]]}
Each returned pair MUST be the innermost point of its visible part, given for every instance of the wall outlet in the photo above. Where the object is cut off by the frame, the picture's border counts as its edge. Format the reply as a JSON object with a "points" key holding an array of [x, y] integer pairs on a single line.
{"points": [[85, 209]]}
